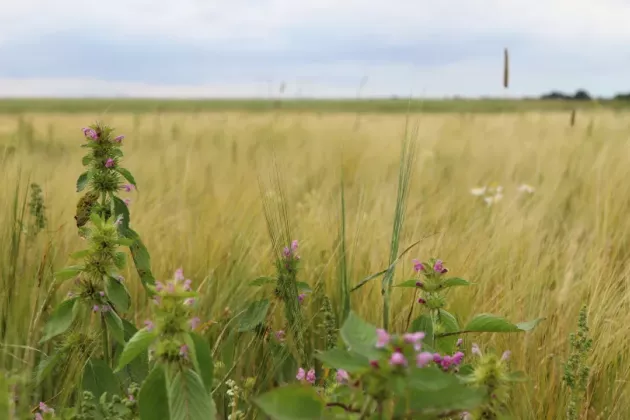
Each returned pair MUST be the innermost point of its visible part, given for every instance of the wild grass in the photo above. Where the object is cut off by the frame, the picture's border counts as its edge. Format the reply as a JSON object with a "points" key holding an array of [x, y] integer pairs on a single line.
{"points": [[199, 207]]}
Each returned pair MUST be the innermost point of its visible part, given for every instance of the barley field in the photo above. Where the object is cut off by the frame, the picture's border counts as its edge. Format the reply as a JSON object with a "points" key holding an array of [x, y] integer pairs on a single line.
{"points": [[199, 207]]}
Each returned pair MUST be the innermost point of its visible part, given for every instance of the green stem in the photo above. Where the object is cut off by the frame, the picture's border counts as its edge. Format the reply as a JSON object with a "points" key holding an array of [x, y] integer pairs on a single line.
{"points": [[105, 340]]}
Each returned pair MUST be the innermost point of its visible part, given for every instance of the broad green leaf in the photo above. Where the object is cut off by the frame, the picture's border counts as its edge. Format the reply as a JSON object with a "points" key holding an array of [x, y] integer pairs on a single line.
{"points": [[124, 242], [303, 287], [60, 320], [117, 294], [260, 281], [430, 379], [141, 258], [121, 209], [87, 159], [360, 336], [429, 389], [408, 283], [120, 260], [115, 326], [425, 324], [495, 323], [80, 254], [188, 398], [82, 181], [136, 370], [153, 397], [204, 360], [138, 344], [454, 281], [69, 272], [447, 324], [98, 378], [46, 366], [125, 173], [346, 360], [291, 402], [255, 314]]}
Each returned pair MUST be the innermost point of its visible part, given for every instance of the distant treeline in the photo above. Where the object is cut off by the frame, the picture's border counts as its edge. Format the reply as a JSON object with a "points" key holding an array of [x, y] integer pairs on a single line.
{"points": [[581, 95]]}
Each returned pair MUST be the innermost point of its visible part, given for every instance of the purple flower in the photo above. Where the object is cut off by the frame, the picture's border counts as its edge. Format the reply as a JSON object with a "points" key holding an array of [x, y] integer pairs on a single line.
{"points": [[382, 338], [300, 374], [418, 266], [110, 163], [438, 266], [286, 252], [189, 301], [475, 350], [437, 358], [148, 325], [187, 284], [280, 335], [460, 341], [90, 133], [101, 293], [127, 187], [194, 323], [38, 416], [294, 245], [119, 139], [342, 376], [506, 355], [170, 287], [95, 308], [159, 286], [398, 359], [179, 274], [423, 359], [301, 297], [310, 376], [446, 362], [183, 351], [413, 338], [458, 358], [44, 408]]}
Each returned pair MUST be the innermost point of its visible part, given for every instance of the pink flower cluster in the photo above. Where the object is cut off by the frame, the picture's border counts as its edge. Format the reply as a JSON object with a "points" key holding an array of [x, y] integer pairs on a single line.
{"points": [[306, 376], [438, 267], [43, 409], [291, 253]]}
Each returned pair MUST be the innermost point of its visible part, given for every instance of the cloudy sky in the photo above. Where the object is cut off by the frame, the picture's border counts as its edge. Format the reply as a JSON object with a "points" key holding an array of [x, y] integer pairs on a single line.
{"points": [[318, 48]]}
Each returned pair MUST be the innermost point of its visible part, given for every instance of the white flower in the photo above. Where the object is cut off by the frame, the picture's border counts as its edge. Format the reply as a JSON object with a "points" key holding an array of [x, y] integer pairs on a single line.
{"points": [[478, 192], [526, 188], [493, 199]]}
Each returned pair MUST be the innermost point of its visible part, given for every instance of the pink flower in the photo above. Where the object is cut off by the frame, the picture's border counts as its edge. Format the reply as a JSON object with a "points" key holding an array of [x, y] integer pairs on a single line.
{"points": [[294, 245], [110, 163], [286, 252], [170, 287], [119, 139], [300, 374], [194, 323], [310, 376], [159, 286], [446, 362], [95, 308], [438, 266], [458, 358], [148, 325], [127, 187], [119, 220], [38, 416], [415, 339], [179, 274], [301, 297], [506, 355], [279, 335], [90, 133], [44, 408], [342, 376], [437, 358], [418, 266], [183, 351], [187, 284], [460, 341], [127, 201], [382, 338], [101, 293], [423, 359], [398, 359]]}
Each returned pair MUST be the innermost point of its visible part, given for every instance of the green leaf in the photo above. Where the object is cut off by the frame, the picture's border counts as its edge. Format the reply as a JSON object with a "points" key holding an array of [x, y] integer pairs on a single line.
{"points": [[360, 336], [430, 389], [188, 398], [46, 366], [87, 159], [425, 324], [255, 314], [260, 281], [138, 344], [124, 172], [98, 378], [119, 260], [448, 324], [124, 242], [136, 370], [347, 360], [454, 281], [153, 397], [204, 360], [60, 320], [80, 254], [291, 402], [303, 287], [141, 258], [495, 323], [408, 283], [121, 209], [69, 272], [96, 219], [117, 294], [115, 326], [82, 181]]}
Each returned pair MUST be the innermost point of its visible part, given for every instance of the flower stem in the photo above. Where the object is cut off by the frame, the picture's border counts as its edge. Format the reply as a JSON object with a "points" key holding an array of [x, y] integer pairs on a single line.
{"points": [[105, 340]]}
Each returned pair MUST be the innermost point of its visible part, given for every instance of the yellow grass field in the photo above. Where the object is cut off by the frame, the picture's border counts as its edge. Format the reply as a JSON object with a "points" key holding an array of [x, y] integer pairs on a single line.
{"points": [[199, 207]]}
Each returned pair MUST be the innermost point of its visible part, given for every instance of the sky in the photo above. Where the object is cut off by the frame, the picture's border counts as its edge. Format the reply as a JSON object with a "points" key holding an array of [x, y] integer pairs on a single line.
{"points": [[315, 48]]}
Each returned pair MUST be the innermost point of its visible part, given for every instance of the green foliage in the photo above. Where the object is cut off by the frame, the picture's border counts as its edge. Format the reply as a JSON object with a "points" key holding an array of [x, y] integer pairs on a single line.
{"points": [[98, 379], [293, 402], [153, 400], [254, 315], [576, 370], [494, 323], [138, 344], [188, 398], [61, 319]]}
